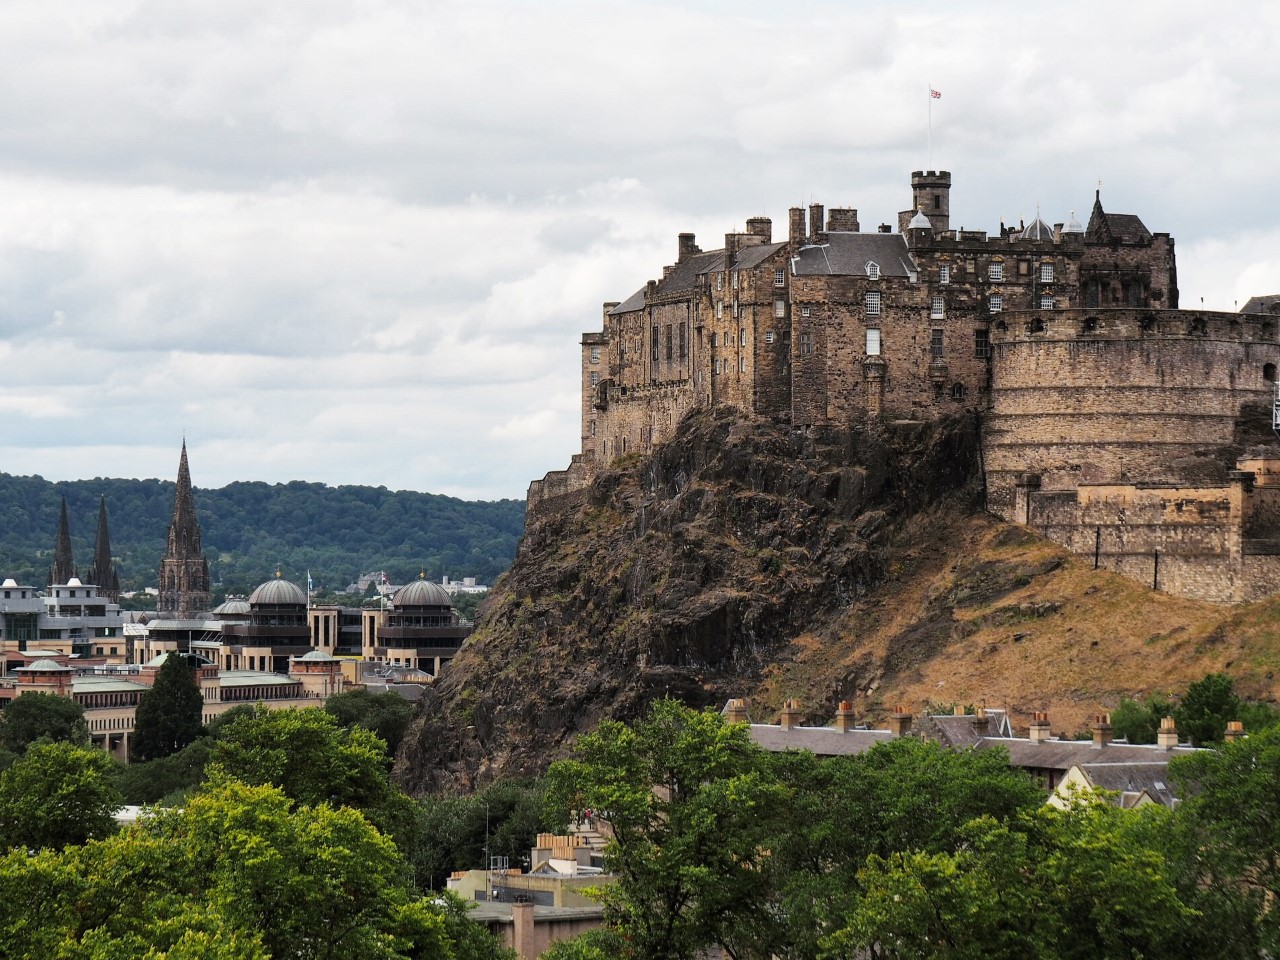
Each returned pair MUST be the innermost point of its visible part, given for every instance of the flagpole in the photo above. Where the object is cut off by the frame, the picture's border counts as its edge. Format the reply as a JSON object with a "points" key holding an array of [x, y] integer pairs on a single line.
{"points": [[929, 95]]}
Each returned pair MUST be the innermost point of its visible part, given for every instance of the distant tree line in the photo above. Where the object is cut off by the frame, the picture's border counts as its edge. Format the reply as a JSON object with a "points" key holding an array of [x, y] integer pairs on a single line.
{"points": [[250, 529]]}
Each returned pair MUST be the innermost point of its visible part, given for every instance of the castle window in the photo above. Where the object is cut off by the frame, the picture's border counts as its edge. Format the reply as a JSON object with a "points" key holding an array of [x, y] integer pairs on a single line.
{"points": [[1046, 302], [684, 341], [780, 277], [742, 363], [995, 302], [995, 272], [733, 280], [592, 431], [981, 344], [872, 300], [768, 337], [944, 274], [873, 270], [957, 391], [713, 338], [806, 344], [670, 344], [873, 341], [1046, 273], [595, 354], [1090, 325], [936, 308], [595, 379], [655, 346], [742, 336], [804, 311], [719, 309], [1269, 372], [719, 281], [937, 201], [936, 351], [779, 308]]}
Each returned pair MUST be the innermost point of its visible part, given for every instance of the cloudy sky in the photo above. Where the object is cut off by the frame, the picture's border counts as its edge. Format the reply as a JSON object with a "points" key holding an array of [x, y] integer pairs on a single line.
{"points": [[356, 241]]}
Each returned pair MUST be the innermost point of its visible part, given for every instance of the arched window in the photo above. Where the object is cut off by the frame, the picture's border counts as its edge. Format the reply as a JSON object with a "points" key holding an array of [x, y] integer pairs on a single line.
{"points": [[957, 391], [1269, 372]]}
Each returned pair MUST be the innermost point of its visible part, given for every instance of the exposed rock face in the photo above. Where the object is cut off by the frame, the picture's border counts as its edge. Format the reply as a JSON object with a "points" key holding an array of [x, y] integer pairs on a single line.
{"points": [[686, 573]]}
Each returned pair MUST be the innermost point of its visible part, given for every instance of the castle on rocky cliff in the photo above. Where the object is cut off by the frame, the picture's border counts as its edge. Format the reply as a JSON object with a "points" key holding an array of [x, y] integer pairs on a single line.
{"points": [[1113, 422]]}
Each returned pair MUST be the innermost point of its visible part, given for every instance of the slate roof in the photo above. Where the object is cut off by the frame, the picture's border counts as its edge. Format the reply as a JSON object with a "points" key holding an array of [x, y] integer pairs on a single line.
{"points": [[685, 275], [1132, 778], [847, 254], [961, 732], [1114, 227], [1266, 304], [633, 302], [820, 741], [1064, 754]]}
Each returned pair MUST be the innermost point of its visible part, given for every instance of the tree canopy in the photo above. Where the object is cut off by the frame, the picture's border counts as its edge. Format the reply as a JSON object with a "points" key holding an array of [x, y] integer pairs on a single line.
{"points": [[33, 716], [169, 715], [57, 794]]}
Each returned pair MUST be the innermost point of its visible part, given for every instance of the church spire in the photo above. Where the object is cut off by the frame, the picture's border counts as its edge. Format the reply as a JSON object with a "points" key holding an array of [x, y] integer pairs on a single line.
{"points": [[184, 572], [64, 565], [103, 572]]}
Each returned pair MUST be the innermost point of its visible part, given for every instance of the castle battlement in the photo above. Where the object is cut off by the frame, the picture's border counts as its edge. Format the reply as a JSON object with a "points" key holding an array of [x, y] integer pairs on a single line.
{"points": [[1038, 326]]}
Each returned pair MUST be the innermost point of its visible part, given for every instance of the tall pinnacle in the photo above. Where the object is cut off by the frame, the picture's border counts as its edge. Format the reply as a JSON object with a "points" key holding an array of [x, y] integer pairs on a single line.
{"points": [[184, 531], [64, 565], [184, 572], [103, 572]]}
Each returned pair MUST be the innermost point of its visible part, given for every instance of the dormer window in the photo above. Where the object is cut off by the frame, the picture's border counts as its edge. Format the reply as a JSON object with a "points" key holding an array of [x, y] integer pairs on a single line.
{"points": [[873, 270]]}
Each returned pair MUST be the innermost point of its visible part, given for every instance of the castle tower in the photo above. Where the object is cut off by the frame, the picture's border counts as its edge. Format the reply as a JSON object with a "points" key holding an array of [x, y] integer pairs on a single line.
{"points": [[184, 572], [103, 572], [931, 193], [64, 565]]}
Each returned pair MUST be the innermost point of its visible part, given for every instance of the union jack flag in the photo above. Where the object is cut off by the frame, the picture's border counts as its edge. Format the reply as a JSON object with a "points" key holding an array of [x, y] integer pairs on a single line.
{"points": [[937, 95]]}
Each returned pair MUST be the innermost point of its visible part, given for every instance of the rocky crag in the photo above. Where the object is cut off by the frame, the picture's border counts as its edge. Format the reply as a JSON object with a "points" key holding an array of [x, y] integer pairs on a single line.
{"points": [[686, 573], [745, 560]]}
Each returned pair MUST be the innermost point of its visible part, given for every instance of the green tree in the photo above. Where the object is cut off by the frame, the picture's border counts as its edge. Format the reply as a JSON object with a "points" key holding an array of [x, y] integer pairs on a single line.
{"points": [[1231, 815], [1205, 709], [35, 715], [241, 873], [169, 714], [690, 801], [386, 714], [1139, 721], [153, 781], [57, 794]]}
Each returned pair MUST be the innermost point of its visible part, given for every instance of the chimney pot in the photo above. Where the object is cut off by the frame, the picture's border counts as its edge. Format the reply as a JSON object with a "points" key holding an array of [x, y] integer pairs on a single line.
{"points": [[900, 721], [1039, 731], [1235, 730], [1167, 736], [790, 715], [735, 711], [845, 719]]}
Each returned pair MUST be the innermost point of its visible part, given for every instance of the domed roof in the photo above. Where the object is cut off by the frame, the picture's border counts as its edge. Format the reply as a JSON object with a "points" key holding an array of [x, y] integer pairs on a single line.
{"points": [[278, 592], [1073, 225], [1037, 229], [46, 666], [422, 593], [919, 222], [159, 659], [9, 582], [232, 608], [317, 656]]}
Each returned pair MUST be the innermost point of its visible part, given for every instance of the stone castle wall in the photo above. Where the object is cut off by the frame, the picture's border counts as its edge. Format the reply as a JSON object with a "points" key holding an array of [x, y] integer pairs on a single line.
{"points": [[1122, 396]]}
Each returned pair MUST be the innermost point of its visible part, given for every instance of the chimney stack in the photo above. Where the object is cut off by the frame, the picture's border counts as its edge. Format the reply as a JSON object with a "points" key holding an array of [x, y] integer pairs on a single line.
{"points": [[1039, 731], [842, 220], [1235, 730], [817, 228], [796, 229], [735, 711], [845, 720], [730, 250], [761, 227], [900, 721], [1167, 735], [790, 715], [687, 247], [1101, 730], [981, 722]]}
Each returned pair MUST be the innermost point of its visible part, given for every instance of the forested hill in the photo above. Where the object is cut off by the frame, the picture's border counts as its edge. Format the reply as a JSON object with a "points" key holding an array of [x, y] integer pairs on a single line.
{"points": [[251, 528]]}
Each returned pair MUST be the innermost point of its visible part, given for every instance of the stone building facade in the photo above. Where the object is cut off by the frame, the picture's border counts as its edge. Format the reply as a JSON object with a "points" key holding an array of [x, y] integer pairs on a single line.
{"points": [[1066, 340]]}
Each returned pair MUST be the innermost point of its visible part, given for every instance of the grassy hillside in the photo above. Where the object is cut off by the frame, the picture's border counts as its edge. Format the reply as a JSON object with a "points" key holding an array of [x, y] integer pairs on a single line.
{"points": [[250, 528]]}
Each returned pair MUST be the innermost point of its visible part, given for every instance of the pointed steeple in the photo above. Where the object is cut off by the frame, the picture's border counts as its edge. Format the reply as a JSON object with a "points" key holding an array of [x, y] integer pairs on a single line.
{"points": [[184, 572], [1099, 229], [103, 572], [64, 565]]}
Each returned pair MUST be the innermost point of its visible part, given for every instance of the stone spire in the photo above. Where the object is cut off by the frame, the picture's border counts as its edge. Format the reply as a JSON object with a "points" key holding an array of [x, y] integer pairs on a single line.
{"points": [[64, 564], [184, 572], [103, 572]]}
